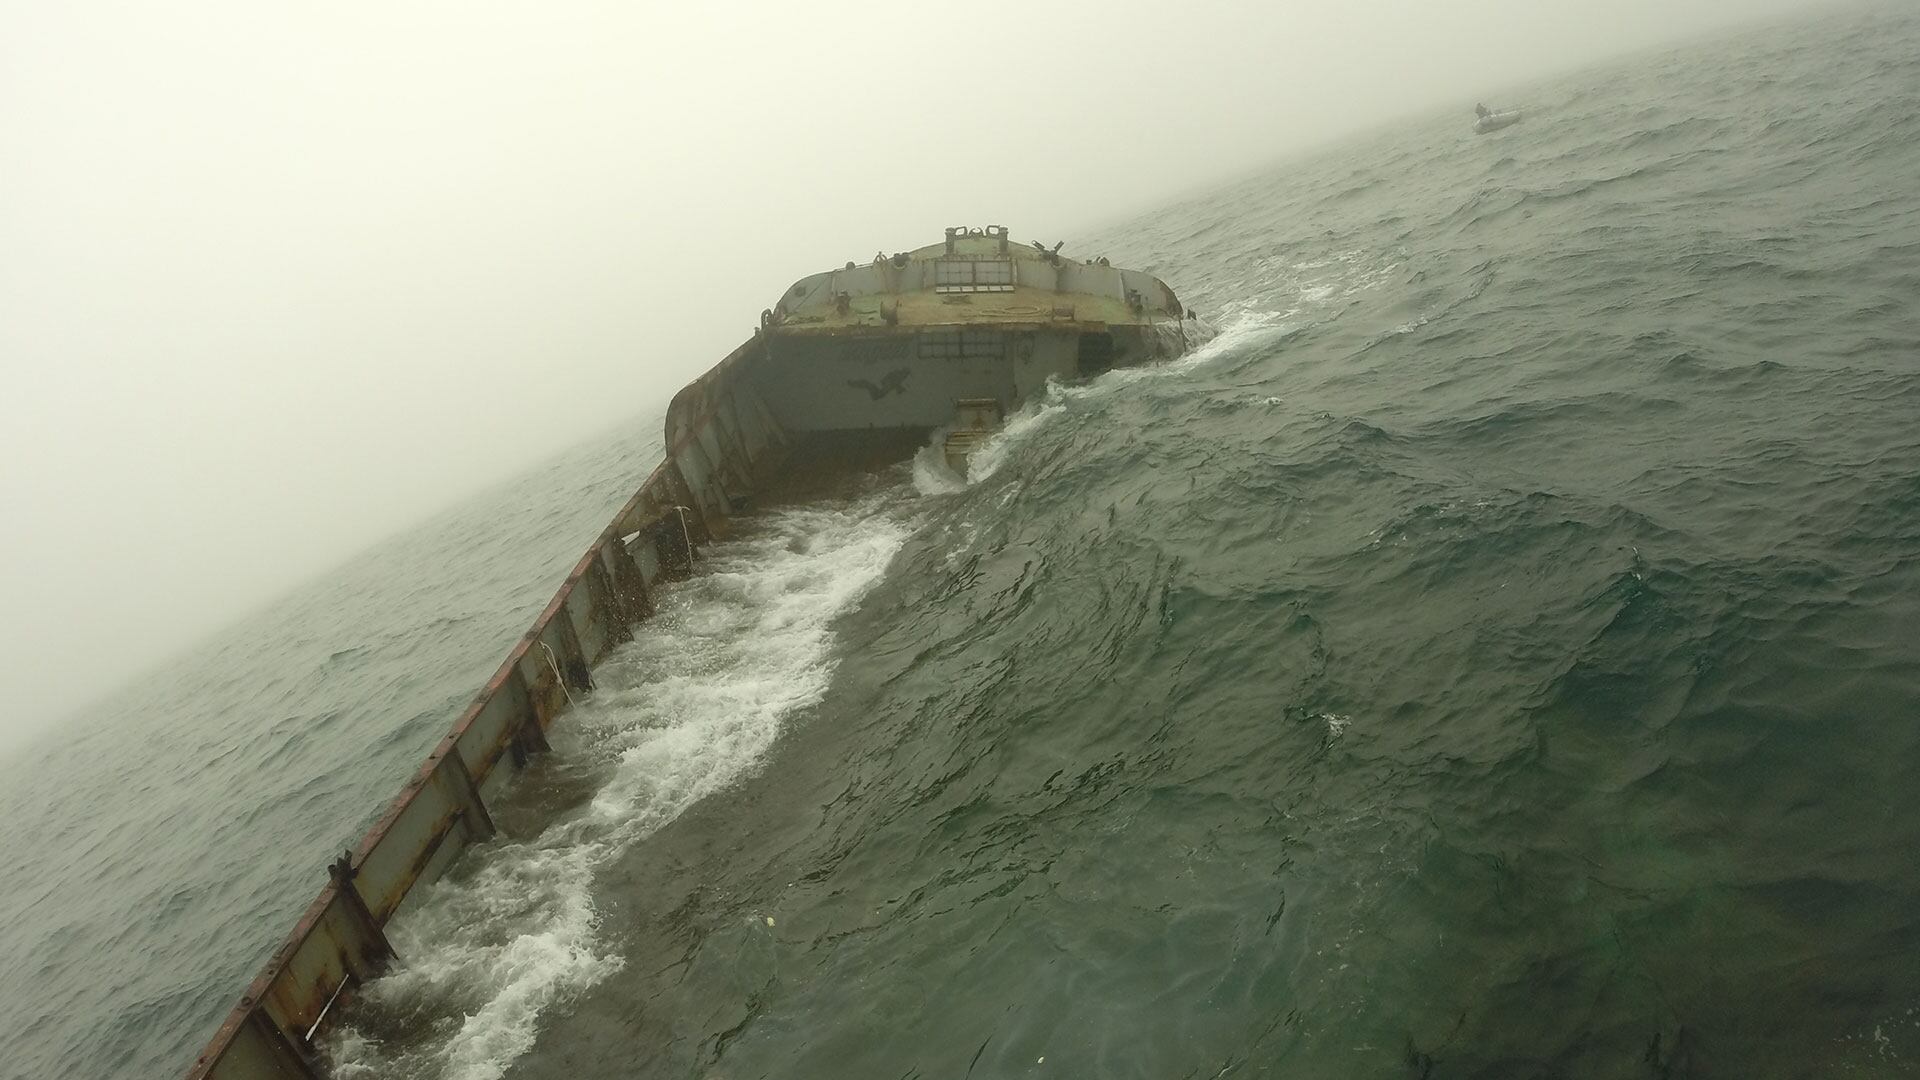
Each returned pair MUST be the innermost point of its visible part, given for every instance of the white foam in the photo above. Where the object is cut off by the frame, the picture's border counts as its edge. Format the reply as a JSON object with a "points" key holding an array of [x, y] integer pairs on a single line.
{"points": [[932, 476], [1023, 423], [688, 708], [1313, 286]]}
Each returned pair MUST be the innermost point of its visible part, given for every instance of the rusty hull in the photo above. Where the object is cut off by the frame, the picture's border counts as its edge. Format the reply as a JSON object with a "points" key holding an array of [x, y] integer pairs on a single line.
{"points": [[723, 449], [720, 443]]}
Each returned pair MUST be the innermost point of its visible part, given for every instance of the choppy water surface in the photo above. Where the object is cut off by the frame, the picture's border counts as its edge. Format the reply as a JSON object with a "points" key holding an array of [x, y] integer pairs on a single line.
{"points": [[159, 851], [1498, 654]]}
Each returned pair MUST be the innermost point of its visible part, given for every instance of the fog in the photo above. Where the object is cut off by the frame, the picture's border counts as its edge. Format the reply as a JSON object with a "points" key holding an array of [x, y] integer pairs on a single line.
{"points": [[279, 280]]}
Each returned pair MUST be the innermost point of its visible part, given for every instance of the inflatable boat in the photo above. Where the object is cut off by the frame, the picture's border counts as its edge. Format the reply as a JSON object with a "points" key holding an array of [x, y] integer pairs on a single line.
{"points": [[1494, 121]]}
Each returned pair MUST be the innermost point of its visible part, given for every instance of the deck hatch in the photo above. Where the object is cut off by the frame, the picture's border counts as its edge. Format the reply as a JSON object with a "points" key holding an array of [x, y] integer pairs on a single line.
{"points": [[973, 275]]}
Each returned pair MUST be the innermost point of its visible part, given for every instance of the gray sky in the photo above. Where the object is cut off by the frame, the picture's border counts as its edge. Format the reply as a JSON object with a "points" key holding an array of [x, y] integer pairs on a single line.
{"points": [[278, 279]]}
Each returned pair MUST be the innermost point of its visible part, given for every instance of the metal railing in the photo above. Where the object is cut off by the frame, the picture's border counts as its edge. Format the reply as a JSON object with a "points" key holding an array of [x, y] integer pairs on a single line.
{"points": [[720, 441]]}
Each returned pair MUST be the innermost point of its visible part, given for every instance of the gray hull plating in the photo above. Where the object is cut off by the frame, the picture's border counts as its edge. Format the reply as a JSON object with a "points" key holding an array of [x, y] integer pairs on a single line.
{"points": [[851, 367]]}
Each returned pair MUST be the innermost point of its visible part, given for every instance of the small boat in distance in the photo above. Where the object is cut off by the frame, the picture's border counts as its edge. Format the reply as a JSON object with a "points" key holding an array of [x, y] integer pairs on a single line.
{"points": [[1490, 120]]}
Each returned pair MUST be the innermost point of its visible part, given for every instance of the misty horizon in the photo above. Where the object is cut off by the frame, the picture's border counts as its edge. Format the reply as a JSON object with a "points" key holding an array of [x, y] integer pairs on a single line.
{"points": [[280, 286]]}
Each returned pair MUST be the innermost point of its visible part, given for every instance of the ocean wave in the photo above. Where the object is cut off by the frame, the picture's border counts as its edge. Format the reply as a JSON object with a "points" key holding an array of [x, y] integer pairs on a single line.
{"points": [[1492, 655], [679, 714]]}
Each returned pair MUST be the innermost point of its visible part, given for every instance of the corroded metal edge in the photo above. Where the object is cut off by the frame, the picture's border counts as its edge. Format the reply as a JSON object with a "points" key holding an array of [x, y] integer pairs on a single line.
{"points": [[720, 442]]}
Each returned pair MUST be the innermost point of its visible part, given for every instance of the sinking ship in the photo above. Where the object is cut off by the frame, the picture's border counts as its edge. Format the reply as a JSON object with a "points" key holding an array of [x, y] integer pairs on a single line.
{"points": [[952, 336], [849, 371]]}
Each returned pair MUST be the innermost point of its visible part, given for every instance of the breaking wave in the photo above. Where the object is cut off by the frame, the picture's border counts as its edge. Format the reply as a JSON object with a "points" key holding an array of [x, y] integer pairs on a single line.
{"points": [[678, 714], [1493, 655]]}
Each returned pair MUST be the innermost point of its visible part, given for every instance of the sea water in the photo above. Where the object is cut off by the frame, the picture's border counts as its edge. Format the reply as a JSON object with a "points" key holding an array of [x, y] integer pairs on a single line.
{"points": [[1496, 654]]}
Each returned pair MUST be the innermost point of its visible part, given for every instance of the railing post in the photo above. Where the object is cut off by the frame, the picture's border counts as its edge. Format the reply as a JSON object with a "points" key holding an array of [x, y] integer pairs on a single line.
{"points": [[529, 735], [572, 661], [467, 793], [673, 543], [631, 596], [376, 958], [685, 497], [288, 1052], [604, 600], [730, 439]]}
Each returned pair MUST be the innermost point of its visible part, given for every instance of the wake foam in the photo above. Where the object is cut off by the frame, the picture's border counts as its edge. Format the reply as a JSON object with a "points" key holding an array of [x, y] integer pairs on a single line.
{"points": [[932, 476], [689, 707]]}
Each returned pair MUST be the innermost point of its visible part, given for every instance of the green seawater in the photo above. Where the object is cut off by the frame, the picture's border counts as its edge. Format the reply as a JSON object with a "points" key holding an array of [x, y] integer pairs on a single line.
{"points": [[1497, 654]]}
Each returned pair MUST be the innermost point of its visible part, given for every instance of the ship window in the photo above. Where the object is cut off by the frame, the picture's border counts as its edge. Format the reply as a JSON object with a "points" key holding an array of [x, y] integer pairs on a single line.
{"points": [[973, 275], [963, 344]]}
